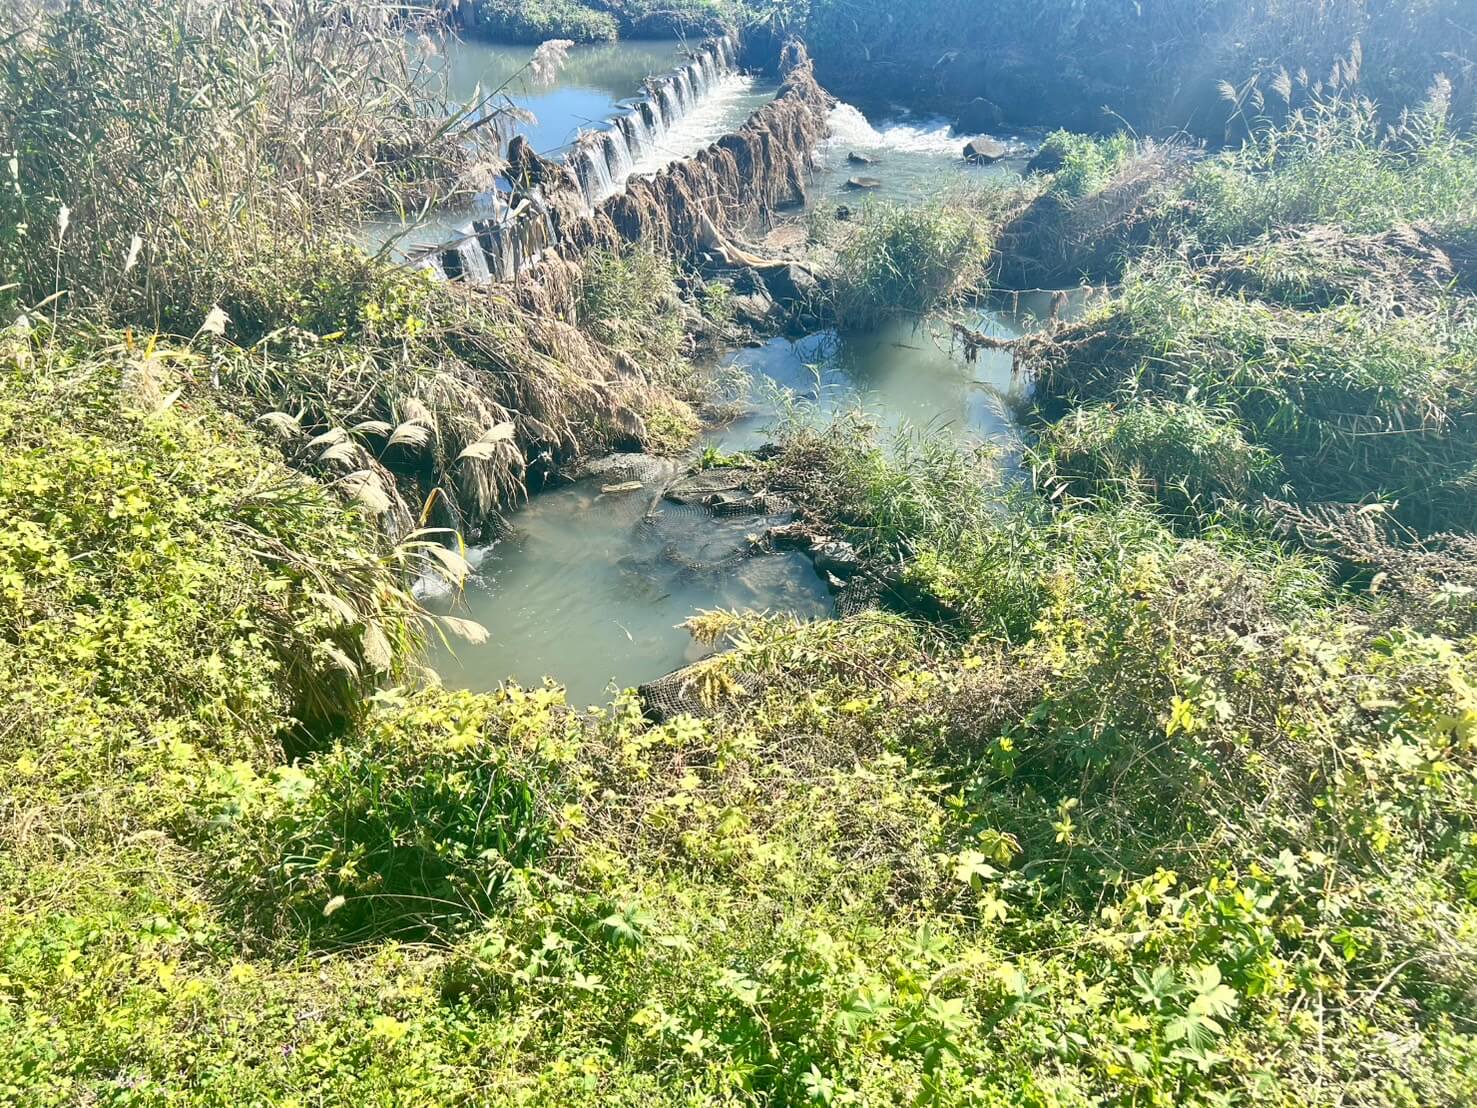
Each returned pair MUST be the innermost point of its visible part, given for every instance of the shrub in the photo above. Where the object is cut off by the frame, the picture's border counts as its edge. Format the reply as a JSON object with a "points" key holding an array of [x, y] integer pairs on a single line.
{"points": [[413, 829], [164, 571], [1353, 405], [905, 261], [535, 21], [1189, 458], [1086, 163], [1333, 162]]}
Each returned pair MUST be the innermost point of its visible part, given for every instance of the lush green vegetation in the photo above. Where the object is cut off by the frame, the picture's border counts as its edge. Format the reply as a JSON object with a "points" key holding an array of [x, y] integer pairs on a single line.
{"points": [[1171, 801], [1320, 332], [515, 21], [533, 21], [904, 260], [1083, 164]]}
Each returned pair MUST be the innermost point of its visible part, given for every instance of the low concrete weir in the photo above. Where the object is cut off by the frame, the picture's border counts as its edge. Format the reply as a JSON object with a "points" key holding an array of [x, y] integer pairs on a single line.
{"points": [[515, 237], [597, 195]]}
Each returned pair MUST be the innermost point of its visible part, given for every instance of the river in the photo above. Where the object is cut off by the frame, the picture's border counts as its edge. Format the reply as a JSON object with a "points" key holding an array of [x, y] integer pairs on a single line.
{"points": [[592, 582]]}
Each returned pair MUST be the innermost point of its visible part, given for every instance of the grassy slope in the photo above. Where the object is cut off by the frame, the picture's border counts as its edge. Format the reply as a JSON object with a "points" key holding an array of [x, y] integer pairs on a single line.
{"points": [[1168, 814]]}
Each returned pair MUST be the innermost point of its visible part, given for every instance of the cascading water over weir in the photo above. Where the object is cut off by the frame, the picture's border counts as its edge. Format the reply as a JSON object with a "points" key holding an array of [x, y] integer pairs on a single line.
{"points": [[519, 231]]}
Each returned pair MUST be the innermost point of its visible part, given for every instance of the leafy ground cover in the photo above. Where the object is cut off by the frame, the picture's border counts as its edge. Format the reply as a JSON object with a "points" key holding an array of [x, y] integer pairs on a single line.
{"points": [[1175, 804]]}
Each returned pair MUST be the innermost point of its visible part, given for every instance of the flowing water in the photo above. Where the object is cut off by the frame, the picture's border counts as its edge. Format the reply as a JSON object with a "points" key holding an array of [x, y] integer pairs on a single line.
{"points": [[913, 159], [593, 581], [613, 109]]}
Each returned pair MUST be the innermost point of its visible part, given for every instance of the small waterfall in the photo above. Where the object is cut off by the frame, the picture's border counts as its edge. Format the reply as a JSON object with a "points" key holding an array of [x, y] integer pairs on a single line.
{"points": [[651, 119], [497, 248], [671, 108], [617, 156], [518, 230], [473, 261], [631, 128], [593, 171]]}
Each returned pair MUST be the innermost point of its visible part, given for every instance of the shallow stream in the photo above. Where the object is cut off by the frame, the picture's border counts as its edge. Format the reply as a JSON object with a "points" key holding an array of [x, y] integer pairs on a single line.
{"points": [[595, 578], [592, 584]]}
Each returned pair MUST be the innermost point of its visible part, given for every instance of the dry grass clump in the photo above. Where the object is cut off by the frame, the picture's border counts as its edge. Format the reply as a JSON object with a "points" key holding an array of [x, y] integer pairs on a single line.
{"points": [[159, 145], [1429, 582], [1061, 239], [1400, 271], [455, 399]]}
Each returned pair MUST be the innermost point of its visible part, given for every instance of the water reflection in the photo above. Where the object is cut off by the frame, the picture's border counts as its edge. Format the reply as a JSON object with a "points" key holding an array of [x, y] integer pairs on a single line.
{"points": [[900, 376], [588, 89]]}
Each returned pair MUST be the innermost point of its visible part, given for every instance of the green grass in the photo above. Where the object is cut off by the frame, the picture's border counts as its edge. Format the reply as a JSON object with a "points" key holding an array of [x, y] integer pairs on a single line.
{"points": [[1333, 163], [1168, 811], [905, 261], [1188, 458], [1087, 163], [1351, 404]]}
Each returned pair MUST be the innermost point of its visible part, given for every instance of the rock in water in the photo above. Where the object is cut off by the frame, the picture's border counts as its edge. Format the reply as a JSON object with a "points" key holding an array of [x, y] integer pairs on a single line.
{"points": [[984, 150], [793, 283], [860, 159], [864, 183]]}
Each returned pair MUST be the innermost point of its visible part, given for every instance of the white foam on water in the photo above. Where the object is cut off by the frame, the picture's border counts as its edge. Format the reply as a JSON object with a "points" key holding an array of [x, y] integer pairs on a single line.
{"points": [[850, 128], [708, 121]]}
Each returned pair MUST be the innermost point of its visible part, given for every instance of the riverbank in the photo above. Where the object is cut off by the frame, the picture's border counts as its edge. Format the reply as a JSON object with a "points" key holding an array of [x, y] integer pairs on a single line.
{"points": [[1156, 788]]}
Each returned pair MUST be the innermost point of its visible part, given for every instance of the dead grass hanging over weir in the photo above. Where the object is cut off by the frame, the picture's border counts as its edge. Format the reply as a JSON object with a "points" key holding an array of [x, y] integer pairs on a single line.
{"points": [[753, 171]]}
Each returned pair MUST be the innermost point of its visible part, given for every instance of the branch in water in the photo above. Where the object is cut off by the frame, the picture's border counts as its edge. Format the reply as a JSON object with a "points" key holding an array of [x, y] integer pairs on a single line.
{"points": [[975, 341]]}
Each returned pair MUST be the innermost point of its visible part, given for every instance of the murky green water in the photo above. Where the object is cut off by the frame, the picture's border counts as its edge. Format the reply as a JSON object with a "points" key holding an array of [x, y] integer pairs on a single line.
{"points": [[594, 581], [591, 586], [901, 377]]}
